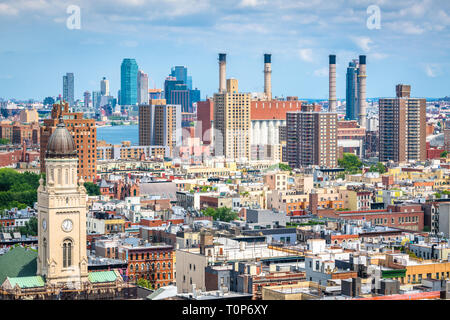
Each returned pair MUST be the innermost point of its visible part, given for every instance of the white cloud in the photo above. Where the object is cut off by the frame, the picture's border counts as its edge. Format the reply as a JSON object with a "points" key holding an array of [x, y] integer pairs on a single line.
{"points": [[129, 43], [406, 27], [8, 10], [433, 70], [363, 43], [306, 54], [322, 72]]}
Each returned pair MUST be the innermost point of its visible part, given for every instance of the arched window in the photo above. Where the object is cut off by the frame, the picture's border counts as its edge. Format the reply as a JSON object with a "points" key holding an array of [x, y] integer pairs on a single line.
{"points": [[164, 265], [142, 267], [164, 276], [157, 266], [168, 265], [44, 245], [131, 267], [153, 266], [148, 266], [136, 267], [67, 253]]}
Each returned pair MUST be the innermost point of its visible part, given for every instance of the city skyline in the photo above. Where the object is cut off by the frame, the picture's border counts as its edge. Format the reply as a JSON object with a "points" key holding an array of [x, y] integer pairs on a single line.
{"points": [[300, 35]]}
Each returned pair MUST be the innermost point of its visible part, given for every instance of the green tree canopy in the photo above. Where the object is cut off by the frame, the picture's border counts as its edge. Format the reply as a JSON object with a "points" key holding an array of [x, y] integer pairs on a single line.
{"points": [[444, 154], [31, 227], [284, 167], [350, 162], [221, 214], [4, 141], [17, 190], [92, 189], [379, 167]]}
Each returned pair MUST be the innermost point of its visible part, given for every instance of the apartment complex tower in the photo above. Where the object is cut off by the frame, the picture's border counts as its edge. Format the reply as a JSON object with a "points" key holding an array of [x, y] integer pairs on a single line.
{"points": [[402, 127]]}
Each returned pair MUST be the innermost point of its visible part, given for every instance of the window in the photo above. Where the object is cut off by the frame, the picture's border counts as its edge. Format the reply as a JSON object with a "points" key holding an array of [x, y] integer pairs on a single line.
{"points": [[67, 253]]}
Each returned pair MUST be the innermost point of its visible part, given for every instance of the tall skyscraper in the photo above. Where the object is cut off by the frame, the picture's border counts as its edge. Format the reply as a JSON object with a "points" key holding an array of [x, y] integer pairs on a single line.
{"points": [[160, 124], [104, 87], [84, 133], [402, 127], [142, 87], [68, 88], [87, 99], [180, 73], [351, 112], [128, 82], [232, 122], [311, 139], [96, 97]]}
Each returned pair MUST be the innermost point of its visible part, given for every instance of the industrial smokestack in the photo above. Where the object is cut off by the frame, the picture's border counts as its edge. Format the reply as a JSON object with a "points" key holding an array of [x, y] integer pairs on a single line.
{"points": [[332, 84], [268, 75], [362, 91], [222, 72]]}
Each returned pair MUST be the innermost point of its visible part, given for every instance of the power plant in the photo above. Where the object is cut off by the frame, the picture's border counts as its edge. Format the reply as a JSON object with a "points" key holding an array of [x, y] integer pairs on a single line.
{"points": [[362, 91], [222, 72], [332, 84], [268, 76]]}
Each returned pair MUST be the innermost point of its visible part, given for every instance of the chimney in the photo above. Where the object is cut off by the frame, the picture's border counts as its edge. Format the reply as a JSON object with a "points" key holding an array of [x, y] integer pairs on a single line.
{"points": [[332, 84], [222, 72], [362, 91], [268, 75]]}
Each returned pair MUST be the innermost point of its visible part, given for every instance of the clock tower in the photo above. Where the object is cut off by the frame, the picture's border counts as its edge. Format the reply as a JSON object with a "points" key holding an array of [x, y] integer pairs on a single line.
{"points": [[62, 256]]}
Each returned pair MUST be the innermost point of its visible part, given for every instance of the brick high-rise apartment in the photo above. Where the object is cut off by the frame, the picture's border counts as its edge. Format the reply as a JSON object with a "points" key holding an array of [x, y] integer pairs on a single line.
{"points": [[311, 139], [402, 127], [159, 124], [84, 133], [232, 122]]}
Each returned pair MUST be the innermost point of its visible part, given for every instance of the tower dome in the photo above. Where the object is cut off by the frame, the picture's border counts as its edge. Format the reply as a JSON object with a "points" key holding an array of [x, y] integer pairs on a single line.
{"points": [[61, 143]]}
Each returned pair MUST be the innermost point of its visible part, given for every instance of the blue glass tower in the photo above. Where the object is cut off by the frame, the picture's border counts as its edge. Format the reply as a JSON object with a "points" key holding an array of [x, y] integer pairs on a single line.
{"points": [[128, 82], [351, 111]]}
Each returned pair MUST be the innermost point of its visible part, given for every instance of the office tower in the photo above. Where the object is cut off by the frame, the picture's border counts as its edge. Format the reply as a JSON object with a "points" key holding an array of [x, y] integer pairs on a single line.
{"points": [[154, 94], [222, 72], [104, 87], [62, 213], [311, 139], [402, 127], [84, 133], [160, 124], [142, 87], [87, 99], [362, 115], [268, 76], [351, 97], [68, 88], [178, 89], [232, 122], [96, 98], [180, 73], [332, 84], [128, 82]]}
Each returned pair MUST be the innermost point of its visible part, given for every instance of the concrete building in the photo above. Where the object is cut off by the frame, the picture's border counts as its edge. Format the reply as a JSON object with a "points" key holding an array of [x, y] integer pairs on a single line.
{"points": [[402, 127], [232, 123], [160, 124], [266, 218], [104, 87], [311, 139]]}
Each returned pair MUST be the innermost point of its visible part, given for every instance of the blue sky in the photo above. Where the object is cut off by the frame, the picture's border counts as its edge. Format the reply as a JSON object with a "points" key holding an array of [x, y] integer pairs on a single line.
{"points": [[412, 46]]}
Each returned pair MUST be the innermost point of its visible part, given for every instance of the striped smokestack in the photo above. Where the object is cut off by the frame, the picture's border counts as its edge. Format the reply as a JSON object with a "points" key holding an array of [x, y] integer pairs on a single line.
{"points": [[332, 84], [268, 75], [362, 91], [222, 72]]}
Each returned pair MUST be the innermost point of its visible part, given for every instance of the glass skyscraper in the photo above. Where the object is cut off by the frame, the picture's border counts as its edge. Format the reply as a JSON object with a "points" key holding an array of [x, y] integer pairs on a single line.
{"points": [[128, 82], [351, 111], [178, 89], [68, 88]]}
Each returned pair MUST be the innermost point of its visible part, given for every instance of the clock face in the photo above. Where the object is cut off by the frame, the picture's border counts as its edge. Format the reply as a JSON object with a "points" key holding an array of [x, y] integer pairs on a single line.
{"points": [[67, 225], [44, 224]]}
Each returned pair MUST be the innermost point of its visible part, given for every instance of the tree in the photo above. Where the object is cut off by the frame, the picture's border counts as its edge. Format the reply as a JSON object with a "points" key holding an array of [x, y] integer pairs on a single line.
{"points": [[31, 227], [92, 189], [350, 162], [17, 190], [4, 141], [379, 167], [284, 167], [444, 154], [221, 214], [49, 101]]}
